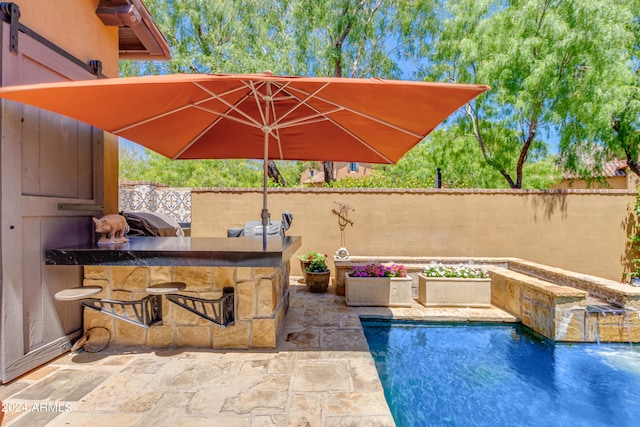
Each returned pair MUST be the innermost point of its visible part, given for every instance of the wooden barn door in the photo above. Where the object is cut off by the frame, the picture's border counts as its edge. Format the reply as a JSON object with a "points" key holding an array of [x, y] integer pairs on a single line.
{"points": [[51, 177]]}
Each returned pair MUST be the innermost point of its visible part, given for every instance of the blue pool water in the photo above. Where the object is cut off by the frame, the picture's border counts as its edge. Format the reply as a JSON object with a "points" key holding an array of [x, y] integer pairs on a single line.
{"points": [[436, 375]]}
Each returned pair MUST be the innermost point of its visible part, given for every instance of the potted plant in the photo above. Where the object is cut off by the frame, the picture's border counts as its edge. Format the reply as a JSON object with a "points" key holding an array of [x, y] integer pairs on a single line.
{"points": [[317, 274], [305, 260], [385, 285], [454, 285]]}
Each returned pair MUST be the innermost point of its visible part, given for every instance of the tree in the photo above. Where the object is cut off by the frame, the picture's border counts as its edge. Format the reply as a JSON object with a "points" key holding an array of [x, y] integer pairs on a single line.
{"points": [[223, 36], [274, 173], [458, 156], [141, 164], [610, 123], [357, 38], [548, 63]]}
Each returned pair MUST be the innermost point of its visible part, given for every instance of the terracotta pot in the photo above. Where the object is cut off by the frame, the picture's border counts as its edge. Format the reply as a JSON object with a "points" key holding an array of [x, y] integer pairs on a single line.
{"points": [[317, 282]]}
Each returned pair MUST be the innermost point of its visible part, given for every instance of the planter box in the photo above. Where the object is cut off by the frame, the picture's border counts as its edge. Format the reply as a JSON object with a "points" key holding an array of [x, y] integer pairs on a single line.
{"points": [[446, 291], [378, 291]]}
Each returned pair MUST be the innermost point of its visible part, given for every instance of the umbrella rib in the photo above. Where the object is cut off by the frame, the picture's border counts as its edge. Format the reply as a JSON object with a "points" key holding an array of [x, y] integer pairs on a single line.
{"points": [[236, 119], [254, 92], [347, 131], [323, 116], [385, 123], [184, 107], [315, 118], [343, 108], [313, 95], [231, 106], [249, 122], [193, 140], [281, 88], [221, 115], [269, 128], [269, 106], [150, 119], [300, 103], [227, 116], [276, 135]]}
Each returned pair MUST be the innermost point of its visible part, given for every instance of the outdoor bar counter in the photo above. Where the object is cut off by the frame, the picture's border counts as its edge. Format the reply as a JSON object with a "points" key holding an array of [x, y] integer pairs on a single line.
{"points": [[125, 272]]}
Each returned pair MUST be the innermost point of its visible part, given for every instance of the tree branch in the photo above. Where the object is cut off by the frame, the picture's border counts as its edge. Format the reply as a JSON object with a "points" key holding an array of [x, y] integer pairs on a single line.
{"points": [[524, 152], [476, 132]]}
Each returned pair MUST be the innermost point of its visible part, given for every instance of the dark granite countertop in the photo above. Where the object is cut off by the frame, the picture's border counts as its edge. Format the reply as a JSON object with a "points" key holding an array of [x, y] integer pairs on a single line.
{"points": [[245, 251]]}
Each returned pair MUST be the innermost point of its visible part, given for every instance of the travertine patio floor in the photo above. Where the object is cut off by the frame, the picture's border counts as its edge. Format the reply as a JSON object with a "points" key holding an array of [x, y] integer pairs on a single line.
{"points": [[321, 374]]}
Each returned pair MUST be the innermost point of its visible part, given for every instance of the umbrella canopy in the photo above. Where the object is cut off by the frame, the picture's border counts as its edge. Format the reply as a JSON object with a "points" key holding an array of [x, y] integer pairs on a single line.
{"points": [[257, 116], [204, 116]]}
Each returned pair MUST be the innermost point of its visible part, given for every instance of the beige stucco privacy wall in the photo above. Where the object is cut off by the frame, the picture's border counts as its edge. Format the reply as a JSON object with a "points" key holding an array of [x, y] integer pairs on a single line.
{"points": [[579, 230], [74, 25]]}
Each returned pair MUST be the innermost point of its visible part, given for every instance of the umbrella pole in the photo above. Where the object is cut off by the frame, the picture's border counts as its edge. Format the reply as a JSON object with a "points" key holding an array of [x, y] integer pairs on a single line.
{"points": [[265, 178]]}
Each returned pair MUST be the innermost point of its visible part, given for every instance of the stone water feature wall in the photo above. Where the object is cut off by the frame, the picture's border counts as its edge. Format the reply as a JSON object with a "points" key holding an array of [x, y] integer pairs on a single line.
{"points": [[261, 302], [610, 311], [619, 294], [556, 312]]}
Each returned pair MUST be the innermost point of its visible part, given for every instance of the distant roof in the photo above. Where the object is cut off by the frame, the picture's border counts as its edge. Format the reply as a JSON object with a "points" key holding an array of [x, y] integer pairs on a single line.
{"points": [[316, 178], [615, 168], [139, 36], [610, 169]]}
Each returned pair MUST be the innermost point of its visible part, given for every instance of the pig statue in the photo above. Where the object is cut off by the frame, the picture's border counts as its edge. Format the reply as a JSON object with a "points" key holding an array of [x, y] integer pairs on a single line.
{"points": [[113, 229]]}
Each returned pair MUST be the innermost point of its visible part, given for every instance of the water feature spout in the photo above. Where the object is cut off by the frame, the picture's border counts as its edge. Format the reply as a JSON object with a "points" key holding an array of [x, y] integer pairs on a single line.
{"points": [[594, 311]]}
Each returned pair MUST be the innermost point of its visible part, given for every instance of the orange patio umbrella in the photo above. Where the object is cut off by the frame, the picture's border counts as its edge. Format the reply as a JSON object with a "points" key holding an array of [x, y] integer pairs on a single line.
{"points": [[257, 116]]}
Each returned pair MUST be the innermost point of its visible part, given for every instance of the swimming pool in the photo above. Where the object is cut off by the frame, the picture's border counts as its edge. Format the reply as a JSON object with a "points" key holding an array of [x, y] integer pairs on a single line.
{"points": [[451, 375]]}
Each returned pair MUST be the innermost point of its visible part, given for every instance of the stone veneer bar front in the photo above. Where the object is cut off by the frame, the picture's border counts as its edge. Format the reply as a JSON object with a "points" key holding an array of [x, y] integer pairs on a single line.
{"points": [[260, 278]]}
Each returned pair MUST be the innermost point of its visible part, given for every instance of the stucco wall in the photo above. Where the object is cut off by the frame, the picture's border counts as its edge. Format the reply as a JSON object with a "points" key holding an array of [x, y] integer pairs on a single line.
{"points": [[583, 231], [74, 26], [614, 183]]}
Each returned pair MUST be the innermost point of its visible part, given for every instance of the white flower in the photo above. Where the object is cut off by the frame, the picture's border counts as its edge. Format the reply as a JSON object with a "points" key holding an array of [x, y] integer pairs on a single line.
{"points": [[465, 271]]}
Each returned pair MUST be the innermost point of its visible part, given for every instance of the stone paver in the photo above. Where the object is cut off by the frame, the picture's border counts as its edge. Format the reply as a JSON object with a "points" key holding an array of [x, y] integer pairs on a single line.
{"points": [[321, 374]]}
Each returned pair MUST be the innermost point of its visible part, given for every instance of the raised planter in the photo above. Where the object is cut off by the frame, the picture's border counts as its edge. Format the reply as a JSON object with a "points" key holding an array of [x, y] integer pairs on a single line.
{"points": [[449, 291], [378, 291]]}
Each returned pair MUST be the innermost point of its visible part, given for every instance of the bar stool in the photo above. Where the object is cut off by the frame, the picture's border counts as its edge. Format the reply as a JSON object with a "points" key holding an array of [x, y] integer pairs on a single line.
{"points": [[145, 312], [218, 311], [166, 288], [79, 293]]}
